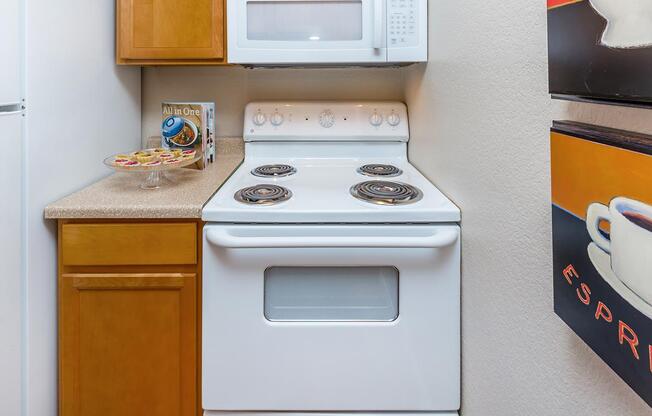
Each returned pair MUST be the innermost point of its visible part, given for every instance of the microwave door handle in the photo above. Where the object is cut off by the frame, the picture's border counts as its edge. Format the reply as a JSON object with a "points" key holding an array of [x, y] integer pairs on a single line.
{"points": [[379, 11], [439, 239]]}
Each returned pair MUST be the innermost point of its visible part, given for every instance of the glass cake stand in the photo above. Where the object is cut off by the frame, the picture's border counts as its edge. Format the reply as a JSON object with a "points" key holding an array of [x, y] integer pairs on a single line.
{"points": [[153, 176]]}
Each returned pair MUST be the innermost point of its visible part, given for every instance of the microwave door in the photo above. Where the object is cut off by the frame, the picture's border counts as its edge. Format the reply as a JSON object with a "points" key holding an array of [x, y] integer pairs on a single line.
{"points": [[269, 32]]}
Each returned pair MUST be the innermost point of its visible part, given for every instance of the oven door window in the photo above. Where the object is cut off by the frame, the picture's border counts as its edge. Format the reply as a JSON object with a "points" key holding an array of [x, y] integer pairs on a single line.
{"points": [[336, 294], [325, 20]]}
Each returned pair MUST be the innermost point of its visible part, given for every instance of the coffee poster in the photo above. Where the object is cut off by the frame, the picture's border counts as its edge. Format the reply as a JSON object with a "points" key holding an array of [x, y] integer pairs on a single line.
{"points": [[602, 244], [601, 49]]}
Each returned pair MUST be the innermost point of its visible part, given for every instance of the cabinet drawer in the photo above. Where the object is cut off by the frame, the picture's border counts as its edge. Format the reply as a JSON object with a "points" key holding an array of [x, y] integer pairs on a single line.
{"points": [[128, 244]]}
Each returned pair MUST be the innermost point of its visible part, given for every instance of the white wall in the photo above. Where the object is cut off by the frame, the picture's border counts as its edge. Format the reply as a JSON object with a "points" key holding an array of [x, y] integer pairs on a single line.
{"points": [[231, 88], [480, 117], [81, 108]]}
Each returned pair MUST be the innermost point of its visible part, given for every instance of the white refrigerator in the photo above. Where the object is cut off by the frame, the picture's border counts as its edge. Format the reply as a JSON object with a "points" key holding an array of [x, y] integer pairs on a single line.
{"points": [[11, 229], [64, 106]]}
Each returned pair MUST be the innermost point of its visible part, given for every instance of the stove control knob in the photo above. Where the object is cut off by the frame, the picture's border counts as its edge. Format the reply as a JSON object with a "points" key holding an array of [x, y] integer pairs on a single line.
{"points": [[327, 119], [393, 119], [376, 119], [276, 119], [259, 119]]}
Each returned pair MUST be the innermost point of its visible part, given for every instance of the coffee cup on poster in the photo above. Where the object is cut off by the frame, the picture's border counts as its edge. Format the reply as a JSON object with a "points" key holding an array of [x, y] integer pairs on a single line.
{"points": [[629, 22], [629, 243]]}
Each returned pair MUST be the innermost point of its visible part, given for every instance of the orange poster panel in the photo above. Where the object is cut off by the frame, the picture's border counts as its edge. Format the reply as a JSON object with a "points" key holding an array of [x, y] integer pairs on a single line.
{"points": [[584, 172], [558, 3]]}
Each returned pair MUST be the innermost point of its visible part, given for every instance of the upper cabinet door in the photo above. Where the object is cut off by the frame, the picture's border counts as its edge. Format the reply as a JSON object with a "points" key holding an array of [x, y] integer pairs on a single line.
{"points": [[174, 30]]}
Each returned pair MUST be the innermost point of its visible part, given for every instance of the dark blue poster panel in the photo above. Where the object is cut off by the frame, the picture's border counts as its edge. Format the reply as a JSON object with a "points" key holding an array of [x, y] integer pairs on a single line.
{"points": [[601, 49]]}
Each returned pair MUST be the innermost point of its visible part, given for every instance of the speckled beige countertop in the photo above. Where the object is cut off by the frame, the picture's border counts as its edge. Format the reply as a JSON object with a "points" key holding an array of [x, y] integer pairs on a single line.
{"points": [[119, 195]]}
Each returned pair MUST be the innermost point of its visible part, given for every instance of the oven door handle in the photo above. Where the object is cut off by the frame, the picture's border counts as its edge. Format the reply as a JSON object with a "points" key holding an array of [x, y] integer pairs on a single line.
{"points": [[223, 238]]}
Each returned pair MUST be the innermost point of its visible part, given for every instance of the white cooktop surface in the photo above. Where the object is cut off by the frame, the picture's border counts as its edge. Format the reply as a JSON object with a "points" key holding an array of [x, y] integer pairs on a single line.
{"points": [[321, 194], [327, 142]]}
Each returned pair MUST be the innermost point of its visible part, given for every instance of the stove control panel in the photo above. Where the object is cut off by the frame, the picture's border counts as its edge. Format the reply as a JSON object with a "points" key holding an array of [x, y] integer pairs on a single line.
{"points": [[326, 121]]}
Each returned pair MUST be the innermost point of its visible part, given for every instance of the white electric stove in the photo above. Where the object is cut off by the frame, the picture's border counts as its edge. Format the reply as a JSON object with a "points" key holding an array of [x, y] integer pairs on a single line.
{"points": [[331, 269]]}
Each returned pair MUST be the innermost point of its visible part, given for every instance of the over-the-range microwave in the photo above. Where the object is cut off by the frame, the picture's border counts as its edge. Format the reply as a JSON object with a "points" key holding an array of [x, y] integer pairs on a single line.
{"points": [[327, 32]]}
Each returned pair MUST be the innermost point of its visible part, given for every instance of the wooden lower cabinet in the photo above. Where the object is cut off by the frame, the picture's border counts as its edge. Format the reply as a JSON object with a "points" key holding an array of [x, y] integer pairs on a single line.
{"points": [[129, 335]]}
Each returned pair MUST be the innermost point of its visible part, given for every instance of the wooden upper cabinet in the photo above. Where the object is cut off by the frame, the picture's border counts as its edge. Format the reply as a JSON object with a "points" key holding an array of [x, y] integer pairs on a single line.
{"points": [[170, 32]]}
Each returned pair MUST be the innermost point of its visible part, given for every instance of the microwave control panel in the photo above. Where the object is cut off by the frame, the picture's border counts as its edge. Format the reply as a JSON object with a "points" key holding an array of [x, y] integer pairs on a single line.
{"points": [[403, 23]]}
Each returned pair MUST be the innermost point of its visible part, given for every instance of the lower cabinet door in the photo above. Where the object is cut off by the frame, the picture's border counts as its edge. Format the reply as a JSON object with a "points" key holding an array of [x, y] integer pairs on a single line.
{"points": [[128, 344]]}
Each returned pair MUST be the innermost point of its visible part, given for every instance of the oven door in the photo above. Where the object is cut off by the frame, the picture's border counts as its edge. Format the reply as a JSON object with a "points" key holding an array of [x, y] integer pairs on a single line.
{"points": [[331, 318], [306, 31]]}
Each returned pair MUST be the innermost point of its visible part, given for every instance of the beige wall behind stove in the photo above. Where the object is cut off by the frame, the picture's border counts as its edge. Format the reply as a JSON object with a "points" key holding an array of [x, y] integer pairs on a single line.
{"points": [[231, 88]]}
